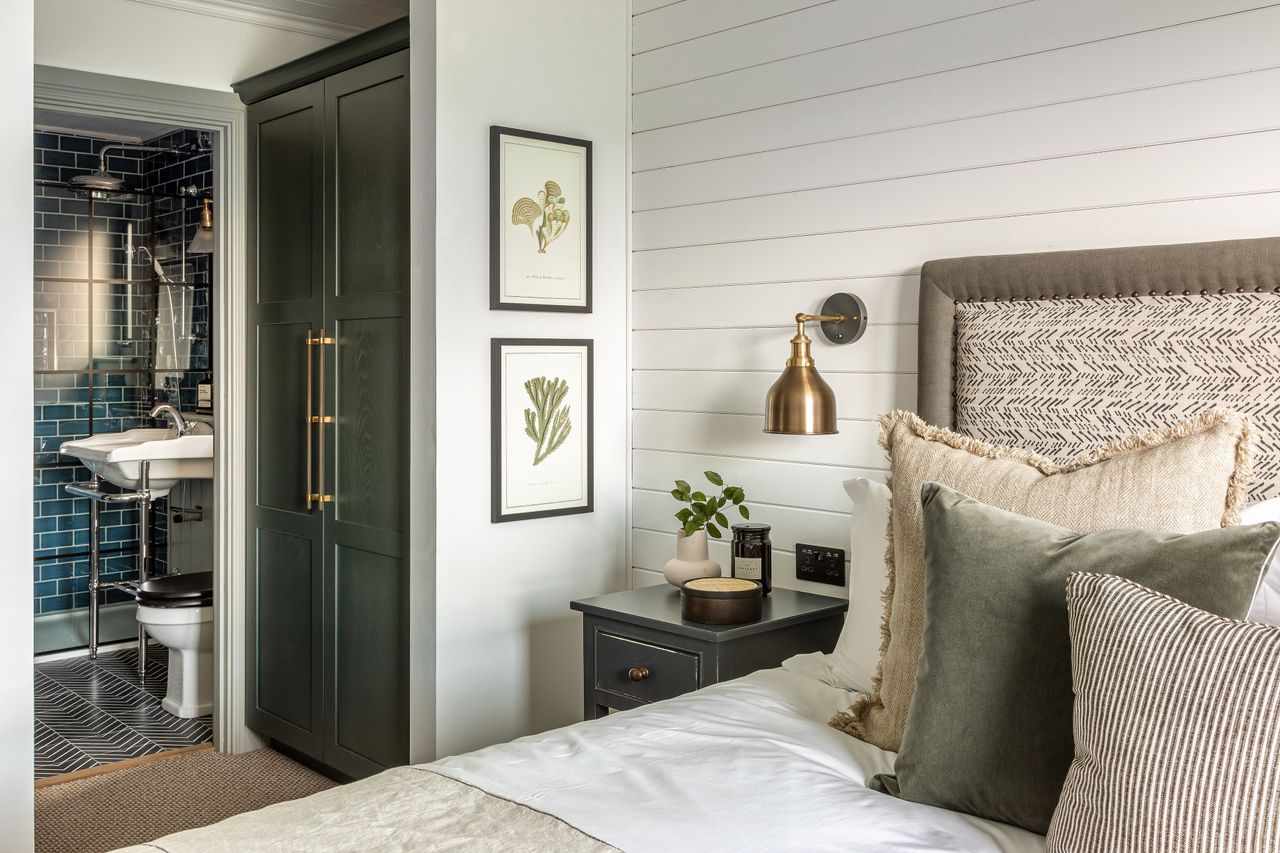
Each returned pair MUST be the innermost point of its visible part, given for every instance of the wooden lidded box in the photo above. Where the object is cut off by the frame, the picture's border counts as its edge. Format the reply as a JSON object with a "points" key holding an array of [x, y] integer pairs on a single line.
{"points": [[721, 601]]}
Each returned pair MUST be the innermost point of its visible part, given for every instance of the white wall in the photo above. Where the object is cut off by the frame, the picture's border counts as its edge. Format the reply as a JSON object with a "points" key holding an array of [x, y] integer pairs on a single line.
{"points": [[422, 378], [144, 41], [784, 149], [509, 650], [16, 712]]}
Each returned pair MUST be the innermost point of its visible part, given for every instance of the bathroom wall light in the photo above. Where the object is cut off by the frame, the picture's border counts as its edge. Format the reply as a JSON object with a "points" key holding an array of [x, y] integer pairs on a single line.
{"points": [[202, 243], [801, 402]]}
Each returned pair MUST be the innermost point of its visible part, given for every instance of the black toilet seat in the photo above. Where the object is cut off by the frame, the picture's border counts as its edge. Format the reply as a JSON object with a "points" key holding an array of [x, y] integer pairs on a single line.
{"points": [[190, 590]]}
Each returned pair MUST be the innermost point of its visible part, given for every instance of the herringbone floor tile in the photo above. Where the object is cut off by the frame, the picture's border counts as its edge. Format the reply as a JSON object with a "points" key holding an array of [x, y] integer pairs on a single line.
{"points": [[96, 712]]}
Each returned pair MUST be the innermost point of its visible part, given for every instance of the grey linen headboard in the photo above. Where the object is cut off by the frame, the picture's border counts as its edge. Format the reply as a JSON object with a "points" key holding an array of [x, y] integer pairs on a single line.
{"points": [[1186, 317]]}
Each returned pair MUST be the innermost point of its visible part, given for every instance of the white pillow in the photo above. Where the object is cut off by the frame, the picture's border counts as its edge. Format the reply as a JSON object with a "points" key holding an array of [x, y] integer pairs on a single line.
{"points": [[858, 651], [1266, 604]]}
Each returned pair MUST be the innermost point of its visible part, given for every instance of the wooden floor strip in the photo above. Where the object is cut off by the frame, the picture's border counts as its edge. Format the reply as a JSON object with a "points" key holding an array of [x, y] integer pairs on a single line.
{"points": [[120, 765]]}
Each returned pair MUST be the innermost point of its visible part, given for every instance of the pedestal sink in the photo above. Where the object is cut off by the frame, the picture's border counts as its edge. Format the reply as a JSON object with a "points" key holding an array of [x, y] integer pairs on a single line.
{"points": [[117, 456]]}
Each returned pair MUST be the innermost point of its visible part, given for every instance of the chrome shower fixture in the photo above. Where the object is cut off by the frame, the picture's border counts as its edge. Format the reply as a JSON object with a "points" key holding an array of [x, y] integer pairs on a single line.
{"points": [[103, 181]]}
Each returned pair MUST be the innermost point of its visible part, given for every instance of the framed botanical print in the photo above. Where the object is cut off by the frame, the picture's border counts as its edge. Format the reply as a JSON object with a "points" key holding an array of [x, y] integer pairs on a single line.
{"points": [[542, 428], [539, 222]]}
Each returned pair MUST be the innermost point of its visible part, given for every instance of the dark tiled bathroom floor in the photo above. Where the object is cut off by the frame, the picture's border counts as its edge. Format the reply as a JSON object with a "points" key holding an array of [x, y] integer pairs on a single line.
{"points": [[90, 713]]}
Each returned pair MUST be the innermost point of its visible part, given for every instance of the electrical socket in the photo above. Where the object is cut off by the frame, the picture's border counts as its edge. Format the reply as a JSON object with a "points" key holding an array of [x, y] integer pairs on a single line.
{"points": [[819, 564]]}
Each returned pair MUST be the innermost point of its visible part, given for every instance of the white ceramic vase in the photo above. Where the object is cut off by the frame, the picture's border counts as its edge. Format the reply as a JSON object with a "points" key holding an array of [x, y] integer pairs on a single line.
{"points": [[691, 560]]}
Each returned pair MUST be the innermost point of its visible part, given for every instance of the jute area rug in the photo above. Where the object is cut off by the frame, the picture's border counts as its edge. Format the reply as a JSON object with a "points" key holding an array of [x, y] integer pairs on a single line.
{"points": [[143, 802]]}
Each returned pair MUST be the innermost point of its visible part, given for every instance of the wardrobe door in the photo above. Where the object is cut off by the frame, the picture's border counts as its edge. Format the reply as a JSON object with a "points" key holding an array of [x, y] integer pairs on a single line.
{"points": [[285, 554], [366, 290]]}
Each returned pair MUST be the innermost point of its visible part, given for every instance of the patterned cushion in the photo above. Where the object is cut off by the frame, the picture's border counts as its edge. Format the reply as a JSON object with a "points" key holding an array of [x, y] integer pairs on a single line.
{"points": [[1177, 726], [1060, 377], [1182, 479]]}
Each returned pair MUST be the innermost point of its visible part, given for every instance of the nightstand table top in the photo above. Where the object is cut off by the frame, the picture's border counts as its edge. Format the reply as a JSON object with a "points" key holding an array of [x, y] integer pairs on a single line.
{"points": [[658, 607]]}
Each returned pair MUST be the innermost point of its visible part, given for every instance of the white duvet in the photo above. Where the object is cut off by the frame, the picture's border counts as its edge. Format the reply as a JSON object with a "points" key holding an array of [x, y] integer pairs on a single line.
{"points": [[745, 765]]}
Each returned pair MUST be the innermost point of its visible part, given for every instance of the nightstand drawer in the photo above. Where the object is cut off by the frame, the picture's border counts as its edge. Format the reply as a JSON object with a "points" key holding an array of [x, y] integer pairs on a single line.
{"points": [[642, 670]]}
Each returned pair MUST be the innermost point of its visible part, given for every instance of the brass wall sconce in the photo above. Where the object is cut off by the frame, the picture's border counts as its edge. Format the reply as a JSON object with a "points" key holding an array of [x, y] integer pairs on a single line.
{"points": [[801, 402], [202, 243]]}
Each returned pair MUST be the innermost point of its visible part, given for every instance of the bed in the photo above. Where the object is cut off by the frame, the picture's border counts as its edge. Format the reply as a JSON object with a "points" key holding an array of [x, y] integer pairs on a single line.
{"points": [[752, 763], [749, 764]]}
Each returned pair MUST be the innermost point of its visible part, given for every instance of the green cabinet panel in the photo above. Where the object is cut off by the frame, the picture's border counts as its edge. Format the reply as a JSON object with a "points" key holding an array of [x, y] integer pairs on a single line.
{"points": [[372, 177], [285, 589], [281, 460], [329, 582], [369, 435], [289, 188], [369, 640]]}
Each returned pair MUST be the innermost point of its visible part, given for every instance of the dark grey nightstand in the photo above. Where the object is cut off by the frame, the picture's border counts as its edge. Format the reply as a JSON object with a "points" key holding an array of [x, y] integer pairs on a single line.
{"points": [[636, 649]]}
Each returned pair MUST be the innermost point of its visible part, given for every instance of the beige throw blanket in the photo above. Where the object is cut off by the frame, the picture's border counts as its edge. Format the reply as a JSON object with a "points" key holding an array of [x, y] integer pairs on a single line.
{"points": [[406, 808]]}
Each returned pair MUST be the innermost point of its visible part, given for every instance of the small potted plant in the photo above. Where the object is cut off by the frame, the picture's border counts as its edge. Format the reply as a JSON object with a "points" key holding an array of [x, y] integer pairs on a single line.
{"points": [[701, 515]]}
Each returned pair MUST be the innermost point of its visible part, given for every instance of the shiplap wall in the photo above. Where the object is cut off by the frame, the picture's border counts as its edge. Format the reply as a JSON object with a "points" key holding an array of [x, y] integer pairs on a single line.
{"points": [[786, 149]]}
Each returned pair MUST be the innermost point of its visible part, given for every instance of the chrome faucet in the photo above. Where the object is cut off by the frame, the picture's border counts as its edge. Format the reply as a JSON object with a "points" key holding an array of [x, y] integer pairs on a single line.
{"points": [[180, 424]]}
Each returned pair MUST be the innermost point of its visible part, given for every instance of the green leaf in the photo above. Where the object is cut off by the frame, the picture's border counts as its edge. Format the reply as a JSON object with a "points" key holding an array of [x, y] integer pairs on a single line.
{"points": [[683, 486], [721, 520], [738, 496], [743, 509], [684, 514], [689, 528], [677, 494], [714, 477], [713, 531], [700, 507], [712, 505], [699, 496]]}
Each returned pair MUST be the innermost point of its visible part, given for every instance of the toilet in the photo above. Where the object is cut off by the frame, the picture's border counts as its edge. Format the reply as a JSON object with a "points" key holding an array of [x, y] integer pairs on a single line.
{"points": [[177, 612]]}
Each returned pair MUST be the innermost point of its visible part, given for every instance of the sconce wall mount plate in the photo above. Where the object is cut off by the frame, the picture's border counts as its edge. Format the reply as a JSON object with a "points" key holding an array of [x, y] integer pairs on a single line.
{"points": [[852, 309]]}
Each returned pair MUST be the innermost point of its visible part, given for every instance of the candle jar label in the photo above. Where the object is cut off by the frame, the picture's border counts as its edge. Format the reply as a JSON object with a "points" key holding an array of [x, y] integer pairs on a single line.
{"points": [[747, 567]]}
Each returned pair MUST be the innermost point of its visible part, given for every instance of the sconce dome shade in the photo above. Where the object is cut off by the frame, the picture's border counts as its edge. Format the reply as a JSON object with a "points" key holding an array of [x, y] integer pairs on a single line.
{"points": [[800, 403]]}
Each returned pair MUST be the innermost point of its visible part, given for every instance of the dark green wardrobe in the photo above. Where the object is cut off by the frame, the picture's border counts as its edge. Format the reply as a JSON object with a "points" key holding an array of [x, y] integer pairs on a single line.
{"points": [[328, 185]]}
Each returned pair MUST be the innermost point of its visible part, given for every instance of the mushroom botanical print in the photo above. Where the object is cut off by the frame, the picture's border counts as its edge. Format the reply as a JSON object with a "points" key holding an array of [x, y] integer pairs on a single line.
{"points": [[547, 424], [546, 218]]}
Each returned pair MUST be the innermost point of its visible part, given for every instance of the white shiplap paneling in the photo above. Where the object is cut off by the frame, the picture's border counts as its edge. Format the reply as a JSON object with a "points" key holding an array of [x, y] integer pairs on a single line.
{"points": [[816, 27], [1145, 60], [786, 150]]}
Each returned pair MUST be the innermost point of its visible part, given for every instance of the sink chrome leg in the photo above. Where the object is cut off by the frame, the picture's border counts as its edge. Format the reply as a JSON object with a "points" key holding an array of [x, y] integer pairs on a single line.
{"points": [[94, 556], [144, 557]]}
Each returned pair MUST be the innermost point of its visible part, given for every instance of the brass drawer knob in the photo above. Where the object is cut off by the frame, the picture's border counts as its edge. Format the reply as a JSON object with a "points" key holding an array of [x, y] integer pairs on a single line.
{"points": [[638, 673]]}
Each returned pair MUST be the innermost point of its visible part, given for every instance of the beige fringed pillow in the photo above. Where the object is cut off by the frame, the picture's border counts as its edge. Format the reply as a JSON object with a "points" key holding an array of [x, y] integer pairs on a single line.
{"points": [[1185, 478]]}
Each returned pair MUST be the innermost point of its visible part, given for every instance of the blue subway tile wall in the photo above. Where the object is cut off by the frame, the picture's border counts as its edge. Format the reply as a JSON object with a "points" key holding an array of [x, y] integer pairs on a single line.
{"points": [[98, 347]]}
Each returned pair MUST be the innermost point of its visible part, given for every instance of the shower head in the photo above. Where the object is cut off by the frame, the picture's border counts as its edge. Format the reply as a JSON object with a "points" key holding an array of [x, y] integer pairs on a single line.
{"points": [[99, 179]]}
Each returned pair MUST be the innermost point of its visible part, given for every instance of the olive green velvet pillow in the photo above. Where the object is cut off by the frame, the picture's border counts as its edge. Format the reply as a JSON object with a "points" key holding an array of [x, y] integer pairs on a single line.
{"points": [[989, 728]]}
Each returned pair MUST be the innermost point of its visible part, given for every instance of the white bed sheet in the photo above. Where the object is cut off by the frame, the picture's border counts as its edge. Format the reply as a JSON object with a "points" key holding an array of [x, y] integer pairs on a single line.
{"points": [[745, 765]]}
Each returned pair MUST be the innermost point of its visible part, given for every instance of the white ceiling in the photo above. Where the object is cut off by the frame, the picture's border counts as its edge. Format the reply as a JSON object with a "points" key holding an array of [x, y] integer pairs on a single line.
{"points": [[332, 18], [102, 127]]}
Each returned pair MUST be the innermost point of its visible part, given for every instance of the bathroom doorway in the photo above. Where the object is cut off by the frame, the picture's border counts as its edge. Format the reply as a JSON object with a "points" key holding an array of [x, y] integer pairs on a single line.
{"points": [[123, 267], [146, 323]]}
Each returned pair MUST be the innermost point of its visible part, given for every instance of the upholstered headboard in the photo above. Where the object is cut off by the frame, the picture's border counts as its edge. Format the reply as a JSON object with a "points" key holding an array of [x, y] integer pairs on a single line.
{"points": [[1059, 351]]}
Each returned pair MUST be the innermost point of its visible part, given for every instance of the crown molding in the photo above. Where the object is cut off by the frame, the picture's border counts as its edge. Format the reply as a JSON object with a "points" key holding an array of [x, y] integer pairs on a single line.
{"points": [[253, 14]]}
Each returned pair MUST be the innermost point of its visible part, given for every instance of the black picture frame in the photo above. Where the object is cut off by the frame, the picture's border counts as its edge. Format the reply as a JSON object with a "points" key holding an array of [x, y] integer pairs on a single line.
{"points": [[498, 452], [498, 219]]}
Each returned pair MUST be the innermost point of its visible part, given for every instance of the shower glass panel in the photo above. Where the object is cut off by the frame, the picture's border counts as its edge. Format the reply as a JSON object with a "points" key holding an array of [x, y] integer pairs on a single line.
{"points": [[121, 322]]}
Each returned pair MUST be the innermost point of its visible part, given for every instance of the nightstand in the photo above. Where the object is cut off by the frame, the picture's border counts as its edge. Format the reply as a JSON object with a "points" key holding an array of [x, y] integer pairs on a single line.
{"points": [[636, 649]]}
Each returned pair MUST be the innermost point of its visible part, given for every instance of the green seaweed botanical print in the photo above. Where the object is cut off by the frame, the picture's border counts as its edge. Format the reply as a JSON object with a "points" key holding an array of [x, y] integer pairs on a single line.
{"points": [[547, 423], [549, 208]]}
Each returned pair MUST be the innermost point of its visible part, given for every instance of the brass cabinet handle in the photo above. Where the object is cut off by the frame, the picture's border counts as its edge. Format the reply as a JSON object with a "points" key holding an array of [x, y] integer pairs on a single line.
{"points": [[319, 420], [638, 673], [306, 421]]}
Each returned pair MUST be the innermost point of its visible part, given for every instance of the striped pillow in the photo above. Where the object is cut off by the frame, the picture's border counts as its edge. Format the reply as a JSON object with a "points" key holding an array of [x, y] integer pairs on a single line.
{"points": [[1177, 726]]}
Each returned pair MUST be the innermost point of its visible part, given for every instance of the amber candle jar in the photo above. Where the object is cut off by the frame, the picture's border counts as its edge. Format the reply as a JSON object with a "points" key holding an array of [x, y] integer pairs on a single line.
{"points": [[753, 554]]}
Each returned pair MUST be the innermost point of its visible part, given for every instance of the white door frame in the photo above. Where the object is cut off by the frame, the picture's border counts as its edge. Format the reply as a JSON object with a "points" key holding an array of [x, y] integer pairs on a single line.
{"points": [[222, 114]]}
